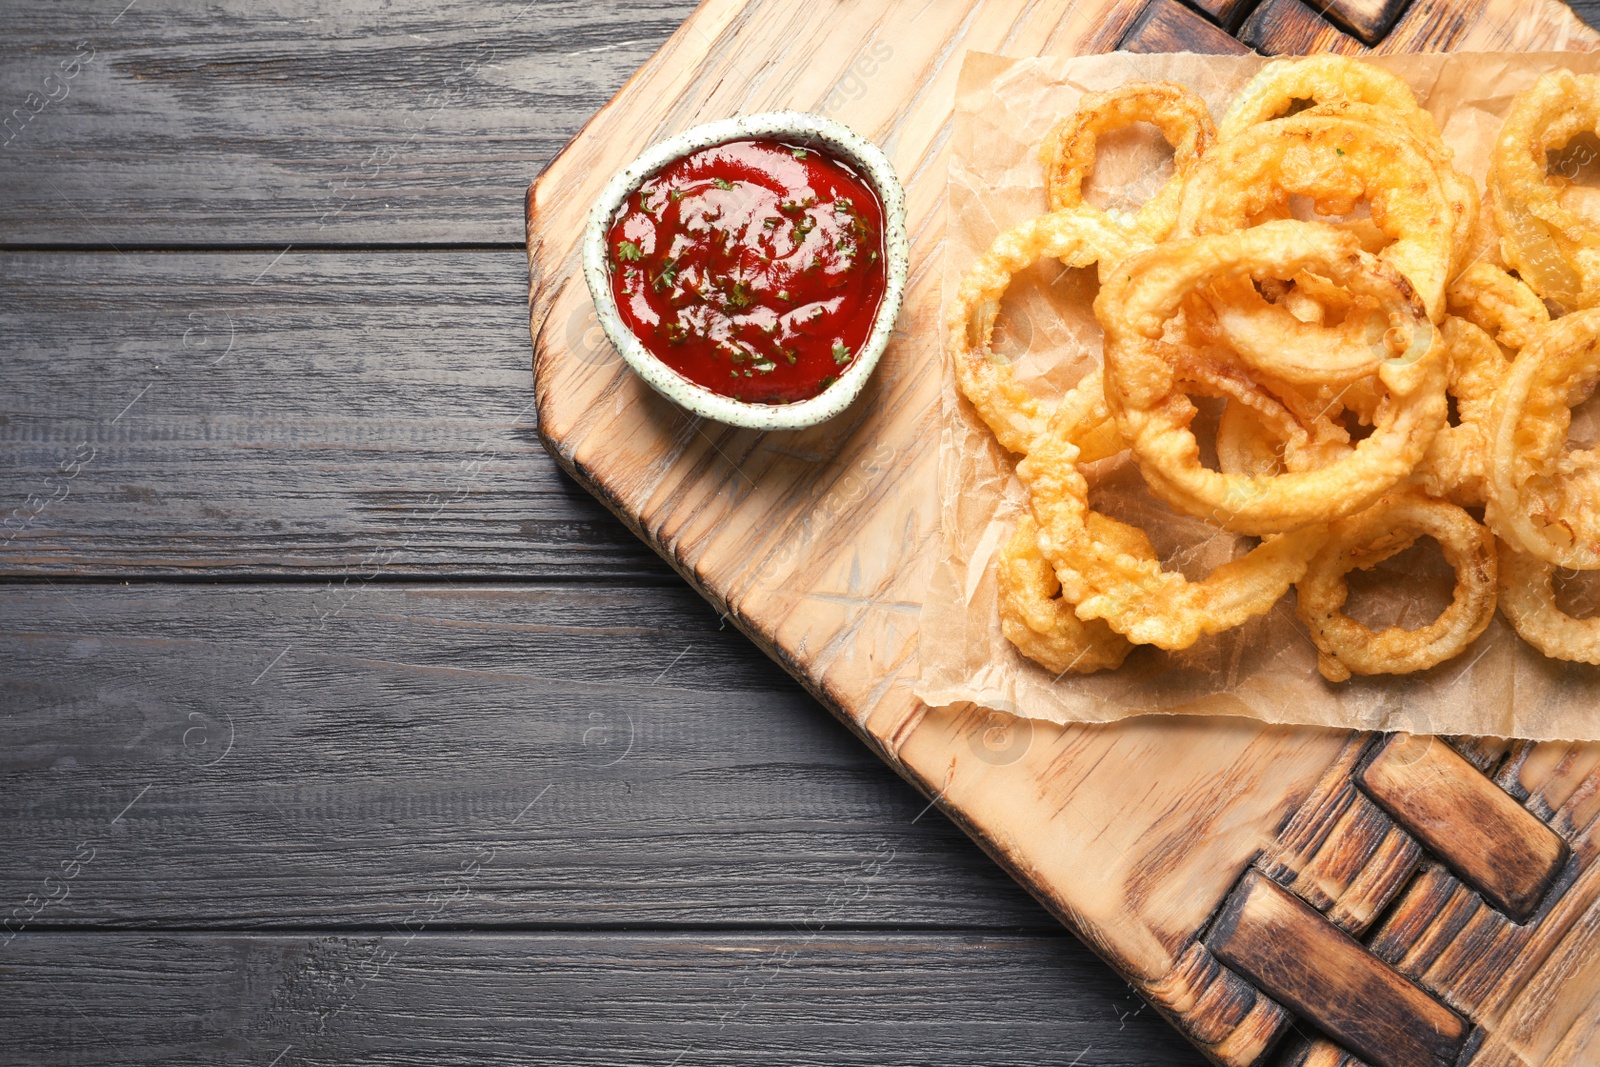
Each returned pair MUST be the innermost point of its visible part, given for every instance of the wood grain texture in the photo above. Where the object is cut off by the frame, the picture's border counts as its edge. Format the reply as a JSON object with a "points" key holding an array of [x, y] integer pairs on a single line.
{"points": [[1291, 27], [1282, 945], [1168, 26], [1493, 843], [333, 414], [1369, 20], [797, 998], [817, 542], [1340, 853], [233, 123], [304, 756], [1227, 13]]}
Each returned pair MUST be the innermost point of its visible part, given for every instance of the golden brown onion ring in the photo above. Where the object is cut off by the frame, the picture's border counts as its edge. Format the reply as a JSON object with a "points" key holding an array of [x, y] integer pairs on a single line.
{"points": [[1068, 152], [1556, 250], [1460, 191], [1109, 571], [1528, 600], [1348, 647], [1337, 162], [1542, 499], [1148, 398], [1497, 303], [1453, 468], [1077, 238], [1322, 79], [1042, 625], [1272, 338]]}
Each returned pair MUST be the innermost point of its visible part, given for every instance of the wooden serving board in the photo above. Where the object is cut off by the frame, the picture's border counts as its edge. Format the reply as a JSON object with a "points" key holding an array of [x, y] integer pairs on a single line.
{"points": [[1284, 896]]}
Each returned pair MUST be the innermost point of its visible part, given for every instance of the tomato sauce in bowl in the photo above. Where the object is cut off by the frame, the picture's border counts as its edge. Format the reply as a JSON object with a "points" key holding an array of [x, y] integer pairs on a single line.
{"points": [[754, 268]]}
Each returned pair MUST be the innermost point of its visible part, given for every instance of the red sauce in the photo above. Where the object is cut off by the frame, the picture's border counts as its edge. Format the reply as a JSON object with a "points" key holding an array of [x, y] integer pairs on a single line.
{"points": [[754, 268]]}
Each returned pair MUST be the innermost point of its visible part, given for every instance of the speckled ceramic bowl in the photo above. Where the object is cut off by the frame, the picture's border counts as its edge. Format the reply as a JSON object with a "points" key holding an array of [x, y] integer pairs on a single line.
{"points": [[797, 125]]}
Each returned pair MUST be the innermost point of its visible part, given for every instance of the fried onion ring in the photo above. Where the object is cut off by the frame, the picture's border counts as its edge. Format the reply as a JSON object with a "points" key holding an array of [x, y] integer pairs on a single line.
{"points": [[1109, 570], [1453, 468], [1068, 152], [1044, 628], [1321, 79], [1556, 250], [1347, 647], [1543, 499], [1078, 239], [1498, 304], [1337, 162], [1528, 599], [1147, 395]]}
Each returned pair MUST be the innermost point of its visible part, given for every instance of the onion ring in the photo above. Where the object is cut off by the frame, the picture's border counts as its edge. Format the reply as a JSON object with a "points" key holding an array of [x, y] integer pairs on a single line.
{"points": [[1152, 411], [1542, 499], [1039, 623], [1068, 152], [1321, 79], [1556, 250], [1078, 239], [1346, 646], [1460, 192], [1528, 600], [1453, 468], [1337, 162], [1497, 303], [1109, 570]]}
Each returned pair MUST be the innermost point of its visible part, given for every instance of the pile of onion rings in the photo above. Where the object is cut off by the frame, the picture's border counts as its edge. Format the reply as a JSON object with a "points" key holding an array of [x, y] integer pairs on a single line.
{"points": [[1382, 378]]}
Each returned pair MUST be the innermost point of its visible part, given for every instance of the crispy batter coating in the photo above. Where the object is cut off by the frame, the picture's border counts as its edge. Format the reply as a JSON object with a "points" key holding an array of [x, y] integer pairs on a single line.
{"points": [[1556, 250], [1042, 625], [1078, 238], [1362, 541], [1497, 303], [1528, 600], [1338, 163], [1153, 410], [1544, 499], [1068, 152], [1322, 79], [1109, 570], [1453, 468]]}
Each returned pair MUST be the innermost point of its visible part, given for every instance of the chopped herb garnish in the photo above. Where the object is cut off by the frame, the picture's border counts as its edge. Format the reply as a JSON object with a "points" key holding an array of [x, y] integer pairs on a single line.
{"points": [[667, 275], [829, 380], [771, 222], [723, 183], [1339, 150], [799, 153], [627, 250], [675, 195], [841, 354], [783, 294], [740, 296]]}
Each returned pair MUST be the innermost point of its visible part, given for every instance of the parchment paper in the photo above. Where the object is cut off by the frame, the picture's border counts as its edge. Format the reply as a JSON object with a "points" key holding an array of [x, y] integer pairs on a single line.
{"points": [[1267, 668]]}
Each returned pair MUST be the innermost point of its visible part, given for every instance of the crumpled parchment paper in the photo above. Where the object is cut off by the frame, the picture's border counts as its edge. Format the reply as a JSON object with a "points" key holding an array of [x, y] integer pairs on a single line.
{"points": [[1267, 668]]}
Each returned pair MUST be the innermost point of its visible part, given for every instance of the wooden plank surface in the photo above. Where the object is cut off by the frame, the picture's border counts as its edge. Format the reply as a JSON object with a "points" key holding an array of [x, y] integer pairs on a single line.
{"points": [[248, 414], [798, 997], [300, 758], [235, 123], [246, 129], [823, 578]]}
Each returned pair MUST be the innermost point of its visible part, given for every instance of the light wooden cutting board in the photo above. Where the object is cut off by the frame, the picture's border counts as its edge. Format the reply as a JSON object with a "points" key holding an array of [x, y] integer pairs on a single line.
{"points": [[1263, 887]]}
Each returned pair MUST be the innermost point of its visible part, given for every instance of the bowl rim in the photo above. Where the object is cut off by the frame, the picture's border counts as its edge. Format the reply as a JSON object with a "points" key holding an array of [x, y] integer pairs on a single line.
{"points": [[807, 127]]}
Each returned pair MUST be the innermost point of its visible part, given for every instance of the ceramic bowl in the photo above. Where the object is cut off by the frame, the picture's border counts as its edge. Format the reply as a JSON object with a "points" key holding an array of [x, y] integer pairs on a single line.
{"points": [[798, 126]]}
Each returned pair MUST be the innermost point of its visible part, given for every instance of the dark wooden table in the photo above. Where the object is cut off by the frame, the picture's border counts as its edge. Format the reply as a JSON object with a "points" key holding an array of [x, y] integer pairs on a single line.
{"points": [[338, 725]]}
